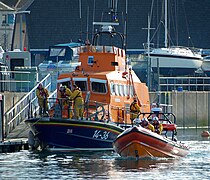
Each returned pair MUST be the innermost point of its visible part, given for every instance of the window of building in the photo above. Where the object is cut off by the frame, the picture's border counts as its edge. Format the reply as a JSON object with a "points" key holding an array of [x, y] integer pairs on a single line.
{"points": [[4, 19]]}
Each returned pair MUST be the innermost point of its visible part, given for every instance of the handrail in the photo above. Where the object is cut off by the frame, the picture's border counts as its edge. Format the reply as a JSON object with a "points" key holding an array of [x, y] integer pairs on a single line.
{"points": [[20, 111]]}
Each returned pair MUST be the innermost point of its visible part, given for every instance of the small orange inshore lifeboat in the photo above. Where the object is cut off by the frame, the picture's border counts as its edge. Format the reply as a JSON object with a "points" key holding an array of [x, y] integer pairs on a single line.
{"points": [[138, 141]]}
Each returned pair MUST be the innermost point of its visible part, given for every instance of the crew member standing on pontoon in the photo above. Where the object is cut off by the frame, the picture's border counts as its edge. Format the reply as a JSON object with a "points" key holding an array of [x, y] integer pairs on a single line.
{"points": [[42, 95], [78, 102]]}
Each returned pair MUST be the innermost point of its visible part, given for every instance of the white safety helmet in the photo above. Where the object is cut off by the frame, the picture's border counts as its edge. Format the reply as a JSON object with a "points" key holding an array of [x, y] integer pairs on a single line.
{"points": [[155, 118], [144, 119]]}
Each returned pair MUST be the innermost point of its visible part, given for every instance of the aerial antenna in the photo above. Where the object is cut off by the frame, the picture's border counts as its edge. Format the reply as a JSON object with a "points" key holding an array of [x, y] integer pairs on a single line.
{"points": [[80, 17], [94, 6], [87, 38], [125, 30]]}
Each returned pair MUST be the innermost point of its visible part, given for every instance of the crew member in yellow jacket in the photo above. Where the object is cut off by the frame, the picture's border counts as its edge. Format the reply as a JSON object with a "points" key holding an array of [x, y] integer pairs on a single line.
{"points": [[78, 102], [145, 124], [64, 99], [134, 110], [158, 127], [64, 94], [42, 95]]}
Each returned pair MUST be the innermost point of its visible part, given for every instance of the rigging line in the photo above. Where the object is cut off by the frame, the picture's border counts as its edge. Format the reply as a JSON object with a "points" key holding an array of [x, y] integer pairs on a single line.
{"points": [[80, 17], [176, 23], [125, 28], [188, 32], [151, 11], [158, 27], [172, 23], [150, 20]]}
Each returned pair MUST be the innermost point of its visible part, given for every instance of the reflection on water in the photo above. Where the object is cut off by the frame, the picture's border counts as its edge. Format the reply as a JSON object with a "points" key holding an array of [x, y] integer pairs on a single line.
{"points": [[140, 164], [108, 165]]}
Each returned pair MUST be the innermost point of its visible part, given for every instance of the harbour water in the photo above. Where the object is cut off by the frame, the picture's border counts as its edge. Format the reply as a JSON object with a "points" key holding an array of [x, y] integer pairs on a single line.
{"points": [[108, 165]]}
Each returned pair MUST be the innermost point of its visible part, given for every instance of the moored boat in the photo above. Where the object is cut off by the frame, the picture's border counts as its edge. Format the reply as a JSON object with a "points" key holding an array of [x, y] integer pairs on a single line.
{"points": [[206, 65], [64, 135], [172, 60], [138, 141], [108, 86], [175, 61]]}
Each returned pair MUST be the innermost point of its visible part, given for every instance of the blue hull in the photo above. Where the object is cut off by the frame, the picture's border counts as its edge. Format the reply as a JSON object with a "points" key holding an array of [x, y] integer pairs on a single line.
{"points": [[73, 135]]}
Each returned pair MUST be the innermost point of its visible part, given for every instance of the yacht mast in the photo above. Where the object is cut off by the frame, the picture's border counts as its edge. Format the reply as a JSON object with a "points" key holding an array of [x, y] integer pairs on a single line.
{"points": [[166, 23]]}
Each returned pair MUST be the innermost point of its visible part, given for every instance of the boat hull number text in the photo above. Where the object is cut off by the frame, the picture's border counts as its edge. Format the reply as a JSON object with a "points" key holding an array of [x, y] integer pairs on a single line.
{"points": [[98, 134]]}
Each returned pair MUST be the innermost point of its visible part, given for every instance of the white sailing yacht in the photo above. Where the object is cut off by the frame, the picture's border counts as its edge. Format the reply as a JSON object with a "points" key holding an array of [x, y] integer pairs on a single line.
{"points": [[174, 61]]}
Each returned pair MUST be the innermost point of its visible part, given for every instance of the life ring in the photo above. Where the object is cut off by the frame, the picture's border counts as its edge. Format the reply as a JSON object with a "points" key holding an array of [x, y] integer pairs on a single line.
{"points": [[205, 134], [169, 127]]}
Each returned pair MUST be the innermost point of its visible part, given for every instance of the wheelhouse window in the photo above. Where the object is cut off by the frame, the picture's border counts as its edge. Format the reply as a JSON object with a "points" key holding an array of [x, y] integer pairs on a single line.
{"points": [[57, 51], [64, 82], [98, 85], [121, 90], [116, 89], [125, 90], [112, 88], [90, 60], [131, 91], [81, 83]]}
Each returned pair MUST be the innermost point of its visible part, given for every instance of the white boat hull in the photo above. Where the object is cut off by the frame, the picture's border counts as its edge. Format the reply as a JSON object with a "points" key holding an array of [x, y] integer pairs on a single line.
{"points": [[172, 62], [206, 67]]}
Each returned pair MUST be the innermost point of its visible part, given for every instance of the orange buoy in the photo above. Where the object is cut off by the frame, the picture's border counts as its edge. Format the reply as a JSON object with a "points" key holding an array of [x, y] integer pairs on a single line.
{"points": [[205, 134]]}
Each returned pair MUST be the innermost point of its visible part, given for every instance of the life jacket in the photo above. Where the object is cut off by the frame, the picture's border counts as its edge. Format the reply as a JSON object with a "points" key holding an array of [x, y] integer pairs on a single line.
{"points": [[64, 95], [133, 107], [43, 93]]}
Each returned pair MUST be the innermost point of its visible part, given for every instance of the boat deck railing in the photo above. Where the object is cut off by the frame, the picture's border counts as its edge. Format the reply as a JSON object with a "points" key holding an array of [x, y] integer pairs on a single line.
{"points": [[63, 108], [166, 119], [101, 49], [20, 111]]}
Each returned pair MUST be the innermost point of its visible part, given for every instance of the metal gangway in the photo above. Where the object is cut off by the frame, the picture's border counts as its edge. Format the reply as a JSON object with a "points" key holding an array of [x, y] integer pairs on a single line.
{"points": [[21, 110]]}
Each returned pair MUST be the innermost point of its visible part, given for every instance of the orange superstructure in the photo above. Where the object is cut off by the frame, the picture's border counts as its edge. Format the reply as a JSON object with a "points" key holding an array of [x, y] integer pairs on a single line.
{"points": [[105, 74]]}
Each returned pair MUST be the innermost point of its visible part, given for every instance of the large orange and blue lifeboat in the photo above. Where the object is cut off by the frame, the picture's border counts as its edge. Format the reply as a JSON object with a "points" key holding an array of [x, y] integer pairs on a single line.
{"points": [[108, 86]]}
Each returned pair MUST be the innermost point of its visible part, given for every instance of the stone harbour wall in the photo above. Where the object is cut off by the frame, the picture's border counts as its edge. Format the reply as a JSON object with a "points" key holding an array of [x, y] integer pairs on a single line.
{"points": [[192, 108]]}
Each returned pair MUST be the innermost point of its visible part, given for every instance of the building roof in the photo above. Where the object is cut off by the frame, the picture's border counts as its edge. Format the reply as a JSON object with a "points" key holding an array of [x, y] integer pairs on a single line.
{"points": [[18, 4], [4, 7]]}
